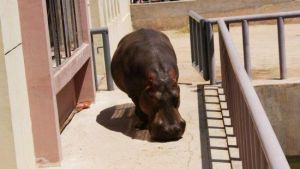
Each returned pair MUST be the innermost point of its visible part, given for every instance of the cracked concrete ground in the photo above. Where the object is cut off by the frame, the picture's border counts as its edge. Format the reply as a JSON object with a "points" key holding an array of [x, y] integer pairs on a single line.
{"points": [[104, 137]]}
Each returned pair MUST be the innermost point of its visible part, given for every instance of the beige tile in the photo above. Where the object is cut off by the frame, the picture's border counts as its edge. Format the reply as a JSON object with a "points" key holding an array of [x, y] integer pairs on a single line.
{"points": [[224, 105], [216, 132], [227, 121], [219, 165], [234, 152], [221, 91], [232, 141], [213, 107], [211, 93], [229, 130], [210, 87], [212, 99], [218, 142], [225, 113], [222, 98], [219, 154], [237, 164], [215, 123], [213, 114]]}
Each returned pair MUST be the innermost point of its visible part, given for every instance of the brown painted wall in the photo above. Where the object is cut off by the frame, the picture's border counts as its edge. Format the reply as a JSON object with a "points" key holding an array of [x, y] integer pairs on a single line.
{"points": [[172, 15], [74, 92], [66, 101], [53, 93]]}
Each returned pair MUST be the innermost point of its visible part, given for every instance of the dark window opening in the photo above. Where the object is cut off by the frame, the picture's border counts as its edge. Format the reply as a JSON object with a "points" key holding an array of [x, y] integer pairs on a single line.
{"points": [[64, 29]]}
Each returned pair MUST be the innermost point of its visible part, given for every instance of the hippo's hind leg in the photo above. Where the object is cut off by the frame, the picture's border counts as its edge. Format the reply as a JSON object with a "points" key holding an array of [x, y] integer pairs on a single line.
{"points": [[142, 124]]}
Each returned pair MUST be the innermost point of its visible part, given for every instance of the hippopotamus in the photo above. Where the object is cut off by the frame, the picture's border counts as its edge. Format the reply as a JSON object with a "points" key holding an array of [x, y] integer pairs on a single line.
{"points": [[144, 66]]}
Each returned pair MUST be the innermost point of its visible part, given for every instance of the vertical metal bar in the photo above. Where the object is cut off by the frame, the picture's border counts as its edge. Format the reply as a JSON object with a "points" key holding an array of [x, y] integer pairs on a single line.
{"points": [[201, 44], [107, 60], [67, 38], [211, 61], [94, 62], [196, 44], [246, 47], [73, 21], [192, 39], [198, 37], [281, 45], [63, 27], [54, 31]]}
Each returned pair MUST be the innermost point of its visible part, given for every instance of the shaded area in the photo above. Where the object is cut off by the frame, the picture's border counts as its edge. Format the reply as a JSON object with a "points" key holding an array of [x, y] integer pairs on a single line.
{"points": [[121, 118], [218, 142], [205, 151], [294, 161]]}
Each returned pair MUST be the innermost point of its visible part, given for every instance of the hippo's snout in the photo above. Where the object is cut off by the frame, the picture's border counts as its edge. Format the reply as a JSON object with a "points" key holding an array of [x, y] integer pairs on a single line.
{"points": [[165, 132]]}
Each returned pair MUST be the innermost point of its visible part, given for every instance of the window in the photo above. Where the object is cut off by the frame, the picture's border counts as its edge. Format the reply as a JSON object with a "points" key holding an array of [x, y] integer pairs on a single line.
{"points": [[64, 29]]}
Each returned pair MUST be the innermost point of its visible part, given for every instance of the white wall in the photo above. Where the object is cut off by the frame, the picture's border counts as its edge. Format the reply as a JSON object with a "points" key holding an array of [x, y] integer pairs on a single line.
{"points": [[114, 14], [16, 142]]}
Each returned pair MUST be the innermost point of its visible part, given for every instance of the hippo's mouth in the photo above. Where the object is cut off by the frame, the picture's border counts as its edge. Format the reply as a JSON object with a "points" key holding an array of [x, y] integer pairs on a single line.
{"points": [[164, 132]]}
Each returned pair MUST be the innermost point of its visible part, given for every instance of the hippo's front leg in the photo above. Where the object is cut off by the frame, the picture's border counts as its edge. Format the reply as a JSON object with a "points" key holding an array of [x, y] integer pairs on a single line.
{"points": [[143, 118]]}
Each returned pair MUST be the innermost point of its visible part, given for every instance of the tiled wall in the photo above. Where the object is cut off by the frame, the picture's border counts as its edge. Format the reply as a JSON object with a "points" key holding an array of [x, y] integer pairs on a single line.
{"points": [[15, 123]]}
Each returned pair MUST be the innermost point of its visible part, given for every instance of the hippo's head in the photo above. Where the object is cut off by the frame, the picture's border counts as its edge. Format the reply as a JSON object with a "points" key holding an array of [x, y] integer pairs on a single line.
{"points": [[160, 101]]}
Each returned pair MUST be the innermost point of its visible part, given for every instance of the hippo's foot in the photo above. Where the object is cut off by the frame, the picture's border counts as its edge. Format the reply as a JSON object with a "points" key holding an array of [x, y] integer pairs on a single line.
{"points": [[141, 125], [143, 119]]}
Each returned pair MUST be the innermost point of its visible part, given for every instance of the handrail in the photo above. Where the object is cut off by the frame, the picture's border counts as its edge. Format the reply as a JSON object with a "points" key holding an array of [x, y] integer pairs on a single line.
{"points": [[257, 17], [107, 58], [272, 150], [203, 50], [195, 16]]}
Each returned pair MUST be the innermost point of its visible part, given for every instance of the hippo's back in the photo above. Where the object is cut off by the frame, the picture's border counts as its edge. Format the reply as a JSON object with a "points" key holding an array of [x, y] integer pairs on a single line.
{"points": [[138, 53]]}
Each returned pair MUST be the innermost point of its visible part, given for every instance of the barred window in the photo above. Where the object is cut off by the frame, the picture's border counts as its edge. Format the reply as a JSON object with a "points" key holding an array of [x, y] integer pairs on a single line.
{"points": [[64, 29]]}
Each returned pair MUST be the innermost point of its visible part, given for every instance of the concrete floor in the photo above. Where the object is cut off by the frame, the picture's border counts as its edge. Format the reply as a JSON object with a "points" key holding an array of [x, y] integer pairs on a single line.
{"points": [[104, 137]]}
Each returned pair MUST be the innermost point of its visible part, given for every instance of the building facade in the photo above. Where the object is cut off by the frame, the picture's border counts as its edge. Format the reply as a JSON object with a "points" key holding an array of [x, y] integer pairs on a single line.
{"points": [[45, 71]]}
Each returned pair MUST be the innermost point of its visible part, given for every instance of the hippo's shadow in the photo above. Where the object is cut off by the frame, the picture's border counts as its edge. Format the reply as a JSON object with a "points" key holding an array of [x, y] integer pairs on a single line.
{"points": [[121, 118]]}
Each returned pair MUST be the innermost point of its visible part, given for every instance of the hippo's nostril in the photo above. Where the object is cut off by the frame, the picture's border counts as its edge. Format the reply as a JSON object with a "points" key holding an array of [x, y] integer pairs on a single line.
{"points": [[166, 133]]}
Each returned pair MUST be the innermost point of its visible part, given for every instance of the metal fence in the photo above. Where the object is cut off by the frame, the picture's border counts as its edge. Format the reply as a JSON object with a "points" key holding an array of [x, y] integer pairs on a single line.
{"points": [[259, 147], [64, 28], [203, 50], [202, 46]]}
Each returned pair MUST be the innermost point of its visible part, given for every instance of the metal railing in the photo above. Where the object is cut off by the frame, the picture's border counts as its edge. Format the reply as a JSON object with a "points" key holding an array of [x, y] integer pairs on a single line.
{"points": [[107, 59], [64, 28], [258, 144], [202, 47]]}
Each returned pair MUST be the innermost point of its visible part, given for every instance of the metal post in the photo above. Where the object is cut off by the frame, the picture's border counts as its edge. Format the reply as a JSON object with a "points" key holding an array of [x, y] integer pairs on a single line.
{"points": [[246, 47], [199, 44], [107, 59], [281, 45], [210, 53], [191, 39], [94, 62]]}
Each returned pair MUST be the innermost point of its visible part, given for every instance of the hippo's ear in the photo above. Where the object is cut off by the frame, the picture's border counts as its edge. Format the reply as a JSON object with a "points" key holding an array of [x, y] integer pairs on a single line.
{"points": [[173, 75]]}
